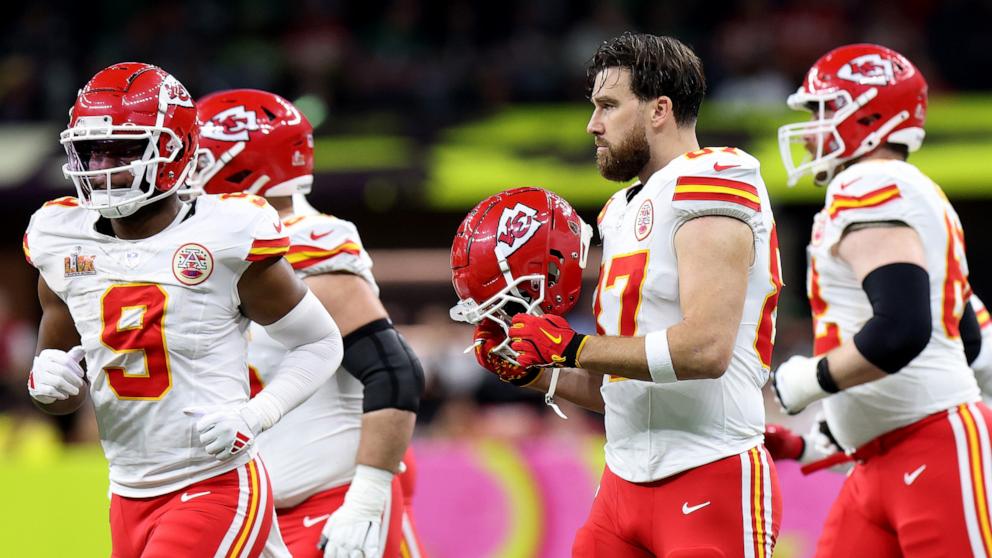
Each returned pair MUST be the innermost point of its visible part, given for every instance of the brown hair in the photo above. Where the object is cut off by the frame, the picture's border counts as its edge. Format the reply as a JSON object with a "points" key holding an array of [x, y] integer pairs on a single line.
{"points": [[659, 66]]}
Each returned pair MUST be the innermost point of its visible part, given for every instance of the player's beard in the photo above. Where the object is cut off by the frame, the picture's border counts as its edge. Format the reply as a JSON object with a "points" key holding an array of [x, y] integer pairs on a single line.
{"points": [[624, 161]]}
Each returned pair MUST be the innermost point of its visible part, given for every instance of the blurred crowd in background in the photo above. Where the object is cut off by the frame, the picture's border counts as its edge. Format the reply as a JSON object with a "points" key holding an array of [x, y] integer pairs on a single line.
{"points": [[433, 60], [427, 63]]}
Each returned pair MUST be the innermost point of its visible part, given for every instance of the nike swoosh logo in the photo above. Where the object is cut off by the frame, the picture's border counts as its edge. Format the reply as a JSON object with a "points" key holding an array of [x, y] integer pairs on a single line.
{"points": [[846, 184], [309, 522], [277, 226], [315, 236], [687, 509], [910, 478], [186, 496], [720, 168], [553, 339]]}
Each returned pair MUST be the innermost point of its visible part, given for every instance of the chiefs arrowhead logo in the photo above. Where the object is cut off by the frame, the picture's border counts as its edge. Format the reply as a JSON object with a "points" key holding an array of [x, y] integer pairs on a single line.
{"points": [[233, 124], [173, 93], [517, 225], [870, 69]]}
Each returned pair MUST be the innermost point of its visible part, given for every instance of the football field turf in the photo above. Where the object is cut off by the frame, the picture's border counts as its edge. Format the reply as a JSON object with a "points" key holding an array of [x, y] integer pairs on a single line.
{"points": [[55, 500]]}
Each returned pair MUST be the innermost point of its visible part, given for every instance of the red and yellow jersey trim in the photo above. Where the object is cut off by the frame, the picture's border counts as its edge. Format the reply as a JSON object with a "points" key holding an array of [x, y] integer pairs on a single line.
{"points": [[263, 249], [708, 188], [64, 201], [874, 198], [301, 256], [984, 320], [27, 252]]}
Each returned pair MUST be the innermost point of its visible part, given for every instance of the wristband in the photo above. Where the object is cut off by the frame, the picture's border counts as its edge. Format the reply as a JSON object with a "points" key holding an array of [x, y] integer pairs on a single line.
{"points": [[659, 358]]}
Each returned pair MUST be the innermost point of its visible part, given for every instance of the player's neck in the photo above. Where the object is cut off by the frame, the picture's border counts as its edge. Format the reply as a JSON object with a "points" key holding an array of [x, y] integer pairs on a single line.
{"points": [[283, 205], [668, 146], [148, 220]]}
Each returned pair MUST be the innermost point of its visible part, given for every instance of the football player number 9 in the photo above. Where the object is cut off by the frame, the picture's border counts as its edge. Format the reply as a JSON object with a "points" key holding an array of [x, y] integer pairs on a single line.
{"points": [[133, 317]]}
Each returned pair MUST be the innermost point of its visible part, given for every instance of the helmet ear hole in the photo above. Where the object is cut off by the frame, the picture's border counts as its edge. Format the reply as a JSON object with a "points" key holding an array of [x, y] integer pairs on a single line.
{"points": [[870, 119], [553, 274], [238, 177], [554, 267]]}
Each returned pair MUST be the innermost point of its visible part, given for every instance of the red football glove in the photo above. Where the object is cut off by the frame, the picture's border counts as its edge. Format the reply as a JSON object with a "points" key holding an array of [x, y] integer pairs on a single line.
{"points": [[488, 335], [545, 341], [783, 443]]}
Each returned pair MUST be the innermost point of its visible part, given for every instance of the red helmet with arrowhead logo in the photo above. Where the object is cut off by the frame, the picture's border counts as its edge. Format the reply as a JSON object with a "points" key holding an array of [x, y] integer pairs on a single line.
{"points": [[861, 96], [525, 248], [252, 141], [131, 138]]}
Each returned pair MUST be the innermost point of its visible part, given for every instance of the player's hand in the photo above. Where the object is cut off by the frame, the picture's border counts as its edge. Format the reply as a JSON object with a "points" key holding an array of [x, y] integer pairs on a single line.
{"points": [[545, 341], [783, 443], [56, 375], [796, 385], [355, 529], [226, 432], [820, 443], [488, 336]]}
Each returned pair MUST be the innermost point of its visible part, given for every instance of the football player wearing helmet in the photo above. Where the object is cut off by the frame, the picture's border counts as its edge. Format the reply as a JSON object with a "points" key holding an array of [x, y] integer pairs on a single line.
{"points": [[155, 294], [685, 312], [335, 460], [888, 288]]}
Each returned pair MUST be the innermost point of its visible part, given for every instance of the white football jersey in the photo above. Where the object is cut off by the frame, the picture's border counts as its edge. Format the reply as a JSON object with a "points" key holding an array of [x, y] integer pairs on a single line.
{"points": [[937, 379], [313, 447], [159, 321], [657, 430]]}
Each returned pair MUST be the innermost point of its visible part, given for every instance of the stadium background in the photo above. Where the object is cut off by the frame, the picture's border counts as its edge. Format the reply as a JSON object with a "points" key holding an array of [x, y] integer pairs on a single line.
{"points": [[422, 108]]}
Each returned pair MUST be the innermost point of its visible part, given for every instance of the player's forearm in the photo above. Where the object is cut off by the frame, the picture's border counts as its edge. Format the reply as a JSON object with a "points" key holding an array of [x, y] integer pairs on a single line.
{"points": [[849, 368], [581, 387], [386, 434], [619, 356], [696, 353]]}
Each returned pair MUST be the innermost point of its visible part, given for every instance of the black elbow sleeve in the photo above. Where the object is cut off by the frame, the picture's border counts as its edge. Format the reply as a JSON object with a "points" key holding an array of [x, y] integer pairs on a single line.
{"points": [[378, 356], [971, 333], [901, 325]]}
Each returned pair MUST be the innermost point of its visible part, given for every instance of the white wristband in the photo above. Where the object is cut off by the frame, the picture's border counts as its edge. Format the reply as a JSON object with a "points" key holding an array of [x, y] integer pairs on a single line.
{"points": [[659, 359]]}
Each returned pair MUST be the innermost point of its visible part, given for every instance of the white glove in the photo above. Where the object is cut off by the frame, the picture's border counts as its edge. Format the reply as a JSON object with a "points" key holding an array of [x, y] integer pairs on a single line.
{"points": [[227, 432], [354, 529], [796, 385], [818, 445], [56, 375]]}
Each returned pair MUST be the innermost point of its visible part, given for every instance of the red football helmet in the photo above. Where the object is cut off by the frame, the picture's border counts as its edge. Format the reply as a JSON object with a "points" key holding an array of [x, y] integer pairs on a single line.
{"points": [[252, 141], [140, 121], [862, 96], [525, 247]]}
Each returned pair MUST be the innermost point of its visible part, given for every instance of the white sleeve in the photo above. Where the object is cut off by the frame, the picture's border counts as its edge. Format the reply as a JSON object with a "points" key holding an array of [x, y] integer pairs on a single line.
{"points": [[316, 350]]}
